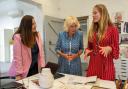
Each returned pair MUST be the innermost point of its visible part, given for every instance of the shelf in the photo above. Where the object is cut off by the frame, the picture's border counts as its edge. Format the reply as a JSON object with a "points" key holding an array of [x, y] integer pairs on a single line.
{"points": [[123, 33], [123, 45]]}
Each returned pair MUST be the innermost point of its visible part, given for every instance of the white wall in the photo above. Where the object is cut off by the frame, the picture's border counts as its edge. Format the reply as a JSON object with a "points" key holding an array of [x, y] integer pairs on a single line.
{"points": [[2, 45], [64, 8], [84, 7], [50, 7], [5, 23], [35, 11], [8, 6]]}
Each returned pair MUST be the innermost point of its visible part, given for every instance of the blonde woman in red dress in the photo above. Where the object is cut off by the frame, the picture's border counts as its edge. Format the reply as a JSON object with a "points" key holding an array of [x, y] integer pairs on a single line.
{"points": [[103, 45]]}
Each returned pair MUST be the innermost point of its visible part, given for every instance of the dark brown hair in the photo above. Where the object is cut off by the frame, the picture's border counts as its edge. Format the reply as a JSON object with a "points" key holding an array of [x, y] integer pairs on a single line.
{"points": [[28, 37]]}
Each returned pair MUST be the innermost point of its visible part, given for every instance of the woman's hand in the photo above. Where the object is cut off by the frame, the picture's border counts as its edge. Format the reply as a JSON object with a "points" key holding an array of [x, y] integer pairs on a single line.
{"points": [[70, 57], [87, 51], [66, 56], [105, 50], [18, 77], [73, 56]]}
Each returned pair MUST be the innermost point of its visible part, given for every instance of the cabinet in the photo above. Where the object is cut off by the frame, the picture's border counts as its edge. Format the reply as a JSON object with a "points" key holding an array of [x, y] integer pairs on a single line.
{"points": [[121, 65]]}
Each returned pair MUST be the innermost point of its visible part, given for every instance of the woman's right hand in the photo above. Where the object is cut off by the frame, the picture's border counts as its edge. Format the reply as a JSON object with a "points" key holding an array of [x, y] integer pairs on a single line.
{"points": [[66, 56], [18, 77], [87, 51]]}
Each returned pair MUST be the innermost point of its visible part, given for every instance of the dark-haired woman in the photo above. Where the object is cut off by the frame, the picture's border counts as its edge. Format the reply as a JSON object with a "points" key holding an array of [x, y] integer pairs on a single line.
{"points": [[28, 55]]}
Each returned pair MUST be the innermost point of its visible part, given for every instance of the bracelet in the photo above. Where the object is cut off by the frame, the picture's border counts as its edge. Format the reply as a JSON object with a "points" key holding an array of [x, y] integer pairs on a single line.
{"points": [[78, 54]]}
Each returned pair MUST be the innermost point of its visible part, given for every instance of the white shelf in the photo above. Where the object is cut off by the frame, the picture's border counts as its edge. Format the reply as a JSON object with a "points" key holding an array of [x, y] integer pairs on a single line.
{"points": [[123, 33], [121, 68], [123, 45]]}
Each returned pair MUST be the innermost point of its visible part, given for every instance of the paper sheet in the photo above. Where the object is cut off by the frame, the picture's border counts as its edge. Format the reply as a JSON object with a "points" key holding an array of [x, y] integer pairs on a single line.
{"points": [[106, 84]]}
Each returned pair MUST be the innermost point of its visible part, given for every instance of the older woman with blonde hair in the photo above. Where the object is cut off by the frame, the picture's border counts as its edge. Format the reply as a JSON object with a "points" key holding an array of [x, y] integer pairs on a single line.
{"points": [[69, 47]]}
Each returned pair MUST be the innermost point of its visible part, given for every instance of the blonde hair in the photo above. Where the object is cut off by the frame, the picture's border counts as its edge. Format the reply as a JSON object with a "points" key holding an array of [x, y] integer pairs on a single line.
{"points": [[102, 24], [70, 20]]}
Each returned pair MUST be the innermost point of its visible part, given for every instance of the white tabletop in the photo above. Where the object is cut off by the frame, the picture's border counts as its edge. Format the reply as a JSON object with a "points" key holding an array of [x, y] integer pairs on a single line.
{"points": [[64, 83]]}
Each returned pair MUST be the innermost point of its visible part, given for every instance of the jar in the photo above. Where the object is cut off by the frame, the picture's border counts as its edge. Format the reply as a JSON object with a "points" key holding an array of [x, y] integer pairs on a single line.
{"points": [[46, 78]]}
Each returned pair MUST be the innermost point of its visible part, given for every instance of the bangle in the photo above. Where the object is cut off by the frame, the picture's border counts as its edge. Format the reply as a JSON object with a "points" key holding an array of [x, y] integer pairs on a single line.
{"points": [[78, 54]]}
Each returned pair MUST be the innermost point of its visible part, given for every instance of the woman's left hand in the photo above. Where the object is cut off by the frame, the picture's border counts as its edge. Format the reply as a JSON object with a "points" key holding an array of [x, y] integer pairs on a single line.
{"points": [[73, 56], [105, 50]]}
